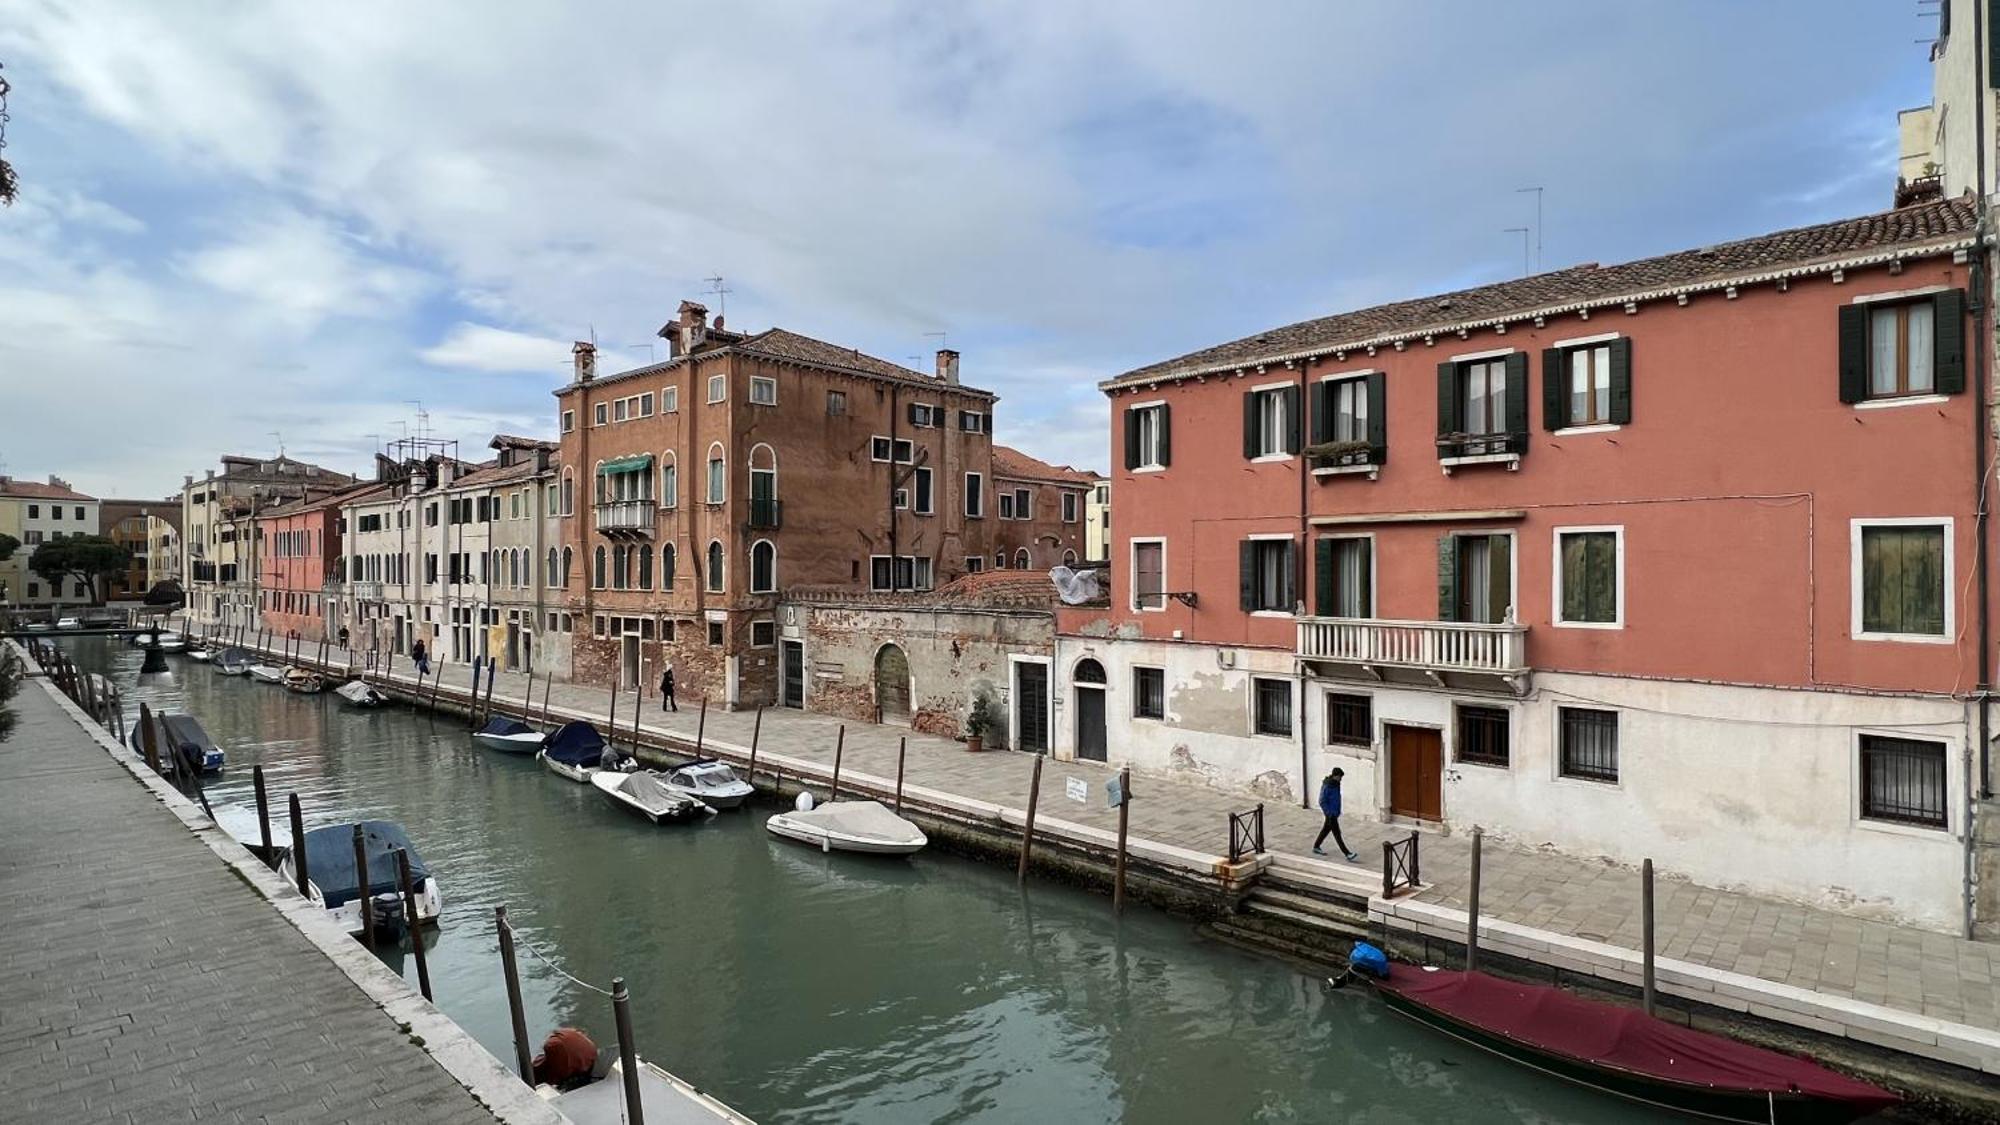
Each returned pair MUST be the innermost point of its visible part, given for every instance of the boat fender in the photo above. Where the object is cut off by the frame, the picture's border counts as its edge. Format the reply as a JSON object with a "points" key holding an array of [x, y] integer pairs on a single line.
{"points": [[826, 845], [1368, 960], [805, 801]]}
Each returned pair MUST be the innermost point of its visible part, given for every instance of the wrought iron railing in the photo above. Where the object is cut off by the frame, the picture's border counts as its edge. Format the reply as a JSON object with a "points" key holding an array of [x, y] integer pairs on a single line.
{"points": [[1246, 833], [1399, 867]]}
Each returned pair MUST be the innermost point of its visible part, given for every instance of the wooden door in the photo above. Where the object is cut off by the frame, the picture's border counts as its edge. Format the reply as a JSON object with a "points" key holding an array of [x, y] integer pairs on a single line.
{"points": [[1090, 733], [1031, 707], [1416, 773], [795, 674]]}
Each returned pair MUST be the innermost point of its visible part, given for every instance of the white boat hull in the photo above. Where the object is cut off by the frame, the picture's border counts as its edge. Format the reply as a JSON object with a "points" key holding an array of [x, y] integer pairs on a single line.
{"points": [[265, 674], [230, 669], [430, 901], [528, 742], [579, 774], [607, 784], [806, 832]]}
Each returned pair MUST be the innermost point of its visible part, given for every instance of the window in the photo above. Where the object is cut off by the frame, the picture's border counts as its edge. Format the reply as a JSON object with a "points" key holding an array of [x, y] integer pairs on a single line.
{"points": [[34, 511], [618, 410], [1272, 706], [1483, 406], [1589, 371], [554, 568], [1902, 580], [1021, 561], [32, 537], [763, 567], [975, 563], [1007, 505], [1146, 436], [1589, 743], [717, 475], [763, 634], [1069, 507], [645, 554], [1588, 586], [670, 481], [1350, 719], [718, 388], [999, 560], [715, 633], [1149, 693], [55, 513], [1344, 577], [1271, 422], [975, 495], [1346, 411], [597, 569], [1482, 735], [836, 402], [1024, 504], [598, 625], [902, 499], [925, 416], [899, 572], [881, 448], [878, 449], [1903, 781], [1149, 574], [715, 567], [603, 413], [1266, 573], [763, 390], [1476, 578], [667, 561], [646, 405], [881, 572], [974, 422], [1901, 349], [568, 495], [923, 486], [567, 558], [568, 421]]}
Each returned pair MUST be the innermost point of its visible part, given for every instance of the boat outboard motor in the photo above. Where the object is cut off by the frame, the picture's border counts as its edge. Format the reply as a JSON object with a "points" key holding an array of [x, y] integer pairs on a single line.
{"points": [[388, 911]]}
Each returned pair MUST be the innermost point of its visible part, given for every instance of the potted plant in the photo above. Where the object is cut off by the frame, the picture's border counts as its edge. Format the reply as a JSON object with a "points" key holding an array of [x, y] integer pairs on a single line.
{"points": [[976, 724]]}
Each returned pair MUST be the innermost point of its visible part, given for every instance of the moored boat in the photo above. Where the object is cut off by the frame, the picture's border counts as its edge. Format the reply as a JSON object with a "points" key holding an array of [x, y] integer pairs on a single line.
{"points": [[848, 826], [199, 652], [711, 782], [232, 662], [182, 734], [509, 736], [355, 693], [599, 1099], [267, 673], [576, 751], [334, 882], [1627, 1053], [305, 681], [644, 793]]}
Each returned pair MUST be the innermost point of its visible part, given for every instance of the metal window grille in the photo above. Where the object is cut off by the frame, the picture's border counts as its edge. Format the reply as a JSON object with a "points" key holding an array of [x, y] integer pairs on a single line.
{"points": [[1274, 707], [1349, 719], [1590, 744], [1903, 780], [1482, 735], [1149, 693]]}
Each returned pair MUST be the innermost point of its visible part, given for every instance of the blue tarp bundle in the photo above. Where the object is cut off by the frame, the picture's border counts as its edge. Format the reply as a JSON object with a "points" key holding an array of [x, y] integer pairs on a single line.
{"points": [[506, 726], [330, 860], [576, 744]]}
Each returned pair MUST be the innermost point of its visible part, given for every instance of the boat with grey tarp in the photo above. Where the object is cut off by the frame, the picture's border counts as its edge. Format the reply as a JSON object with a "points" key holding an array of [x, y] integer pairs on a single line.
{"points": [[182, 734], [336, 883], [848, 826], [646, 794], [509, 736]]}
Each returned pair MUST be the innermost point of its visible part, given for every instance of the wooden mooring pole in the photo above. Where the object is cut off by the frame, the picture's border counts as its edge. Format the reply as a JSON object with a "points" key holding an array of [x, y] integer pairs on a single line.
{"points": [[701, 727], [299, 848], [611, 720], [902, 749], [546, 686], [146, 738], [410, 920], [1124, 823], [1472, 908], [839, 746], [513, 974], [263, 808], [756, 733], [1646, 926], [367, 898], [1028, 829], [635, 716], [628, 1054]]}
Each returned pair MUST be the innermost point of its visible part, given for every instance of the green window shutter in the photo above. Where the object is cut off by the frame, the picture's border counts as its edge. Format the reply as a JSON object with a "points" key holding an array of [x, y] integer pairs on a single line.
{"points": [[1447, 576], [1992, 42], [1249, 424], [1853, 353], [1166, 433], [1448, 422], [1131, 440], [1292, 419], [1572, 561], [1322, 413], [1323, 577], [1292, 559], [1621, 380], [1246, 556], [1500, 577], [1378, 417], [1517, 402], [1555, 389], [1948, 341]]}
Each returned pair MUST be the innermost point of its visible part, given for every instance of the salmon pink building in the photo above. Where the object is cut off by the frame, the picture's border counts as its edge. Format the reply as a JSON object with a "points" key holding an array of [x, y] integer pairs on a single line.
{"points": [[1675, 559], [299, 559]]}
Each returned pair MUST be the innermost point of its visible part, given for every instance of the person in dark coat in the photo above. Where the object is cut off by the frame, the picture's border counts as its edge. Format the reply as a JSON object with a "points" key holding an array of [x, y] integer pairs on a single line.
{"points": [[667, 690], [1329, 806], [422, 656]]}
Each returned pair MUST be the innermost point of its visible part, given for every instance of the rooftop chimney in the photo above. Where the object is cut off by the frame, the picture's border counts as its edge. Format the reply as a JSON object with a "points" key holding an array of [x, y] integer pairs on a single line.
{"points": [[57, 482], [586, 360], [947, 366]]}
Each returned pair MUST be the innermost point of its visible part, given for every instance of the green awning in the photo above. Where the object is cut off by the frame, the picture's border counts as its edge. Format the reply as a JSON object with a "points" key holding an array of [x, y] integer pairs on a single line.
{"points": [[638, 462]]}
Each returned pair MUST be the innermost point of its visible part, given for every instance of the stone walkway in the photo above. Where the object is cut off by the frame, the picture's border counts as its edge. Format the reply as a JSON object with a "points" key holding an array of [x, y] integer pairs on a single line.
{"points": [[141, 980], [1916, 971]]}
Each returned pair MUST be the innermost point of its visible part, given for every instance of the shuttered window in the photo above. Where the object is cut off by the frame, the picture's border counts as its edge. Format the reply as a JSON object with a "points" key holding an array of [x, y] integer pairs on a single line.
{"points": [[1475, 577], [1901, 349], [1903, 580], [1344, 577], [1483, 406], [1149, 562], [1271, 422], [1147, 437], [1349, 421], [1267, 576], [1589, 577]]}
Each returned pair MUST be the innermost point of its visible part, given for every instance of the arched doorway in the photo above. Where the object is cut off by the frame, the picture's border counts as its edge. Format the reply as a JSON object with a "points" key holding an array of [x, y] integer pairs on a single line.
{"points": [[1088, 679], [892, 684]]}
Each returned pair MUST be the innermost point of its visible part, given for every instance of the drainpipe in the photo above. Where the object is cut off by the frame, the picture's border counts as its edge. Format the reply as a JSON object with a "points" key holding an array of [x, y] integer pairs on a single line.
{"points": [[1981, 277], [895, 417], [1300, 565]]}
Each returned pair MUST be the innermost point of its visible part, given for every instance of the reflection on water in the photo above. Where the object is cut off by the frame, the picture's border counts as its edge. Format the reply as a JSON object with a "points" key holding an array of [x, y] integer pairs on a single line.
{"points": [[799, 986]]}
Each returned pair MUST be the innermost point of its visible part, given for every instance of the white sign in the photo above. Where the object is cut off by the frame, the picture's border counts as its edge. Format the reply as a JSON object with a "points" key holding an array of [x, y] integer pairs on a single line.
{"points": [[1077, 790]]}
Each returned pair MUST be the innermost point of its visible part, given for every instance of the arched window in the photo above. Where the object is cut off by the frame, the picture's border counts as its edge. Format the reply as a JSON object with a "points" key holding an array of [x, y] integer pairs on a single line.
{"points": [[567, 559], [555, 568], [1021, 559], [597, 569], [568, 493], [718, 474], [554, 510], [1069, 558], [763, 489], [513, 568], [493, 565], [715, 566], [763, 567], [670, 481], [667, 567], [600, 494], [645, 567], [1088, 671], [621, 573]]}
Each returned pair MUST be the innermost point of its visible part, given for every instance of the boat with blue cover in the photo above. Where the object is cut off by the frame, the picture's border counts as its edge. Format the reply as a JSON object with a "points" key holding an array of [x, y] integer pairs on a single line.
{"points": [[577, 750], [181, 734], [334, 882], [509, 736]]}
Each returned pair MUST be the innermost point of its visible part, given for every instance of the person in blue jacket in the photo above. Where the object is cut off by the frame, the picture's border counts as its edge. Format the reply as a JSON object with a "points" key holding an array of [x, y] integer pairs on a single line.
{"points": [[1329, 804]]}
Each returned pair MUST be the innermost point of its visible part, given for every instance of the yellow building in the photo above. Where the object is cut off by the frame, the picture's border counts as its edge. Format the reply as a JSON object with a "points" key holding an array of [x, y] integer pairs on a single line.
{"points": [[34, 514]]}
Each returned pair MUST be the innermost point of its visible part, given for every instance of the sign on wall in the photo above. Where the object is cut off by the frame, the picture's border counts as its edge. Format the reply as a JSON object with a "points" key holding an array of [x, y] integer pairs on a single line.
{"points": [[1077, 790]]}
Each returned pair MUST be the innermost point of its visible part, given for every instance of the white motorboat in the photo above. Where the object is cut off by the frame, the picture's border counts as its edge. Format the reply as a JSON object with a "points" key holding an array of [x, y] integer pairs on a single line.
{"points": [[644, 793], [848, 826], [232, 662], [37, 627], [355, 693], [267, 673], [70, 623], [335, 884], [711, 782], [509, 736], [577, 752], [199, 653], [662, 1097]]}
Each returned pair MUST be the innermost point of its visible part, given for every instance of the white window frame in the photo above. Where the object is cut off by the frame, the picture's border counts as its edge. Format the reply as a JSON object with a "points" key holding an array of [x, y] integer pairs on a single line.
{"points": [[1954, 766], [926, 411], [1854, 582], [601, 415], [1072, 507], [1374, 585], [568, 421], [766, 381], [670, 398], [1154, 465], [1284, 418], [1250, 698], [708, 491], [923, 473], [1132, 568], [975, 496], [1287, 537], [1556, 577], [718, 387], [873, 438]]}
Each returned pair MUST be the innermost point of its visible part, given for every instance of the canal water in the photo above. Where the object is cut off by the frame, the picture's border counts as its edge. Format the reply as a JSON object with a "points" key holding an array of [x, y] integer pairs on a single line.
{"points": [[802, 987]]}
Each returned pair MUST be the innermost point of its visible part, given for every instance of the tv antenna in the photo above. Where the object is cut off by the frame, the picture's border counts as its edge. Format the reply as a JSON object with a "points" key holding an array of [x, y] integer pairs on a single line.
{"points": [[423, 418], [1538, 222], [280, 438], [721, 294], [1523, 232]]}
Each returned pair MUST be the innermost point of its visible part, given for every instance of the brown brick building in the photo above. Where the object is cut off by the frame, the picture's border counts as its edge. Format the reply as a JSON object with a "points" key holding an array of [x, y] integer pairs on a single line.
{"points": [[697, 489], [1039, 510]]}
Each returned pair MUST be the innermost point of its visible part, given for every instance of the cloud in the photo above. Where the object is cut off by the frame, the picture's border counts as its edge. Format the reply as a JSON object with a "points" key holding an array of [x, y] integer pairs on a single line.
{"points": [[479, 347], [303, 270]]}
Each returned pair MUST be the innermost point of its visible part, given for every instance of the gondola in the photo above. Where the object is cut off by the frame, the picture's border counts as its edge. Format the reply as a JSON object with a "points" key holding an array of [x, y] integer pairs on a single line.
{"points": [[1625, 1052]]}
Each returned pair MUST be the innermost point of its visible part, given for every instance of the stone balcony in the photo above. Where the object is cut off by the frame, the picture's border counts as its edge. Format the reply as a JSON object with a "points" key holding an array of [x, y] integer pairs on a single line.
{"points": [[626, 517], [1472, 655]]}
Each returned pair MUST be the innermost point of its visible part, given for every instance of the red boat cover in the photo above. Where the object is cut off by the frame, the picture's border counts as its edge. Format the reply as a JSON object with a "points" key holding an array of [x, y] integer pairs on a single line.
{"points": [[1611, 1035]]}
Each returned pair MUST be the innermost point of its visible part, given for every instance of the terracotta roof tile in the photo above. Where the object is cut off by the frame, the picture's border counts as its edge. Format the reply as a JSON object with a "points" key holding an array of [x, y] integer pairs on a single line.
{"points": [[1012, 463], [31, 490], [1943, 221]]}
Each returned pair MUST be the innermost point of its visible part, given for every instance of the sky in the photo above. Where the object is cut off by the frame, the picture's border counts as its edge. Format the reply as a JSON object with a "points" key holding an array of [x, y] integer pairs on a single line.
{"points": [[245, 224]]}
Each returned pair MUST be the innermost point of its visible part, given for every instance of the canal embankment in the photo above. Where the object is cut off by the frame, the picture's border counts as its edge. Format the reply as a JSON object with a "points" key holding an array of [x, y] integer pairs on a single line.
{"points": [[154, 970], [1916, 1010]]}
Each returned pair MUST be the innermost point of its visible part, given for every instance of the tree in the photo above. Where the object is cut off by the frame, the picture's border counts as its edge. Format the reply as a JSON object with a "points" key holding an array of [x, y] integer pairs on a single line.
{"points": [[8, 545], [85, 558]]}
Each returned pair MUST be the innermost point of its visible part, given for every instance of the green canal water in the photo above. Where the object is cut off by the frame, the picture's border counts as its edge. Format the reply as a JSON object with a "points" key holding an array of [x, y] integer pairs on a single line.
{"points": [[801, 987]]}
